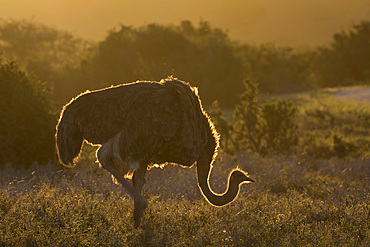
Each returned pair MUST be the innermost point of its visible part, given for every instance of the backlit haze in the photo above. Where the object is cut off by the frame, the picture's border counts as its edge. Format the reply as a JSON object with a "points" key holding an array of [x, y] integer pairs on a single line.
{"points": [[283, 22]]}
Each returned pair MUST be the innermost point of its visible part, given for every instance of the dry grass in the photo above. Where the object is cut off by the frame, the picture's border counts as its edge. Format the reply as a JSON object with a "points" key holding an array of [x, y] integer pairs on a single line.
{"points": [[295, 202]]}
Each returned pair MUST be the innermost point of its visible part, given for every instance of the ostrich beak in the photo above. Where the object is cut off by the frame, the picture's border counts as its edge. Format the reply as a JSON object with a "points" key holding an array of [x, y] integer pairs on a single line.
{"points": [[249, 180]]}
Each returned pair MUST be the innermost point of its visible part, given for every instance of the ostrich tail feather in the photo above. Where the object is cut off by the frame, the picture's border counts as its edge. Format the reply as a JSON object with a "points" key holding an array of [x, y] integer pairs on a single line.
{"points": [[69, 142]]}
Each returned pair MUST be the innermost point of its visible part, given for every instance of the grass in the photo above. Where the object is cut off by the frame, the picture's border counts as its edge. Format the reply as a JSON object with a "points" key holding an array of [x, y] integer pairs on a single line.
{"points": [[304, 199], [328, 126], [336, 127], [294, 202]]}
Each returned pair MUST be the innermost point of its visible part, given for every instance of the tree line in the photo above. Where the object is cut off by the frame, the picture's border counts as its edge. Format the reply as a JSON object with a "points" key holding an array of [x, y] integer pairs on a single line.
{"points": [[201, 54], [42, 68]]}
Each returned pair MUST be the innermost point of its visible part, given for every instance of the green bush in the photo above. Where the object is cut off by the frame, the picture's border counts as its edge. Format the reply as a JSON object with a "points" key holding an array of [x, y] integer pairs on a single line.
{"points": [[280, 126], [26, 122], [264, 128]]}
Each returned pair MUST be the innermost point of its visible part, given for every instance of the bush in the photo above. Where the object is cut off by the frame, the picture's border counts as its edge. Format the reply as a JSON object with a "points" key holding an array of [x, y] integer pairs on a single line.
{"points": [[279, 125], [224, 128], [264, 128], [26, 122]]}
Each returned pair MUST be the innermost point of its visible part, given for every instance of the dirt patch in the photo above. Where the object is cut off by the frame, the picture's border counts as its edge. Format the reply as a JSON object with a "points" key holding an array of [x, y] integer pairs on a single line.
{"points": [[361, 95]]}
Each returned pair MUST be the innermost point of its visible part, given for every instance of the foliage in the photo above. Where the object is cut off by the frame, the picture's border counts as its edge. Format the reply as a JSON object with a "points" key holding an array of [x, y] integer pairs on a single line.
{"points": [[202, 55], [280, 125], [206, 57], [224, 127], [41, 50], [266, 128], [316, 196], [278, 69], [26, 41], [26, 122], [313, 123], [347, 60]]}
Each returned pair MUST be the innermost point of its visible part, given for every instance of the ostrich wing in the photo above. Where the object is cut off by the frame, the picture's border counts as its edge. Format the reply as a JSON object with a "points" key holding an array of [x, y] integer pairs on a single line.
{"points": [[160, 126]]}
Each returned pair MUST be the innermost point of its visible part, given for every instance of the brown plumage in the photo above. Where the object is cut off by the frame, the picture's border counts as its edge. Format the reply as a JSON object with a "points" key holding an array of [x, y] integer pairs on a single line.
{"points": [[140, 124]]}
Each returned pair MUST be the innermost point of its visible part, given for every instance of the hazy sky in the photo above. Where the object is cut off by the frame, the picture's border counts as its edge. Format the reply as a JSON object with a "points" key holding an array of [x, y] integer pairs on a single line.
{"points": [[285, 22]]}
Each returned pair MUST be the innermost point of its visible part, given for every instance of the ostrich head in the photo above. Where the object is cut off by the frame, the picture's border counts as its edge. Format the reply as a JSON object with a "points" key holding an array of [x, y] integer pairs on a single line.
{"points": [[239, 177]]}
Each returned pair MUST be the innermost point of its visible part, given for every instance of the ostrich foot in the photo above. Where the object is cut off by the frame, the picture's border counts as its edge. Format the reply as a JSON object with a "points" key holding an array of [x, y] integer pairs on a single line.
{"points": [[139, 208]]}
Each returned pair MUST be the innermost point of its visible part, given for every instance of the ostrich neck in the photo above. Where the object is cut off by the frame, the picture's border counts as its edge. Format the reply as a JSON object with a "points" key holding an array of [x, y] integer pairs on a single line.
{"points": [[203, 171]]}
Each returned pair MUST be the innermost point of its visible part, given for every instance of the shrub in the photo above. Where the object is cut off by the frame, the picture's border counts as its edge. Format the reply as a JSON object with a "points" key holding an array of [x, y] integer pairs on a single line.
{"points": [[279, 125], [26, 122], [264, 128], [224, 128]]}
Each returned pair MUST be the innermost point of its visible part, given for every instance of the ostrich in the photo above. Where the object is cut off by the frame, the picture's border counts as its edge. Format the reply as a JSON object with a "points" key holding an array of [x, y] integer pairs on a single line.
{"points": [[141, 124]]}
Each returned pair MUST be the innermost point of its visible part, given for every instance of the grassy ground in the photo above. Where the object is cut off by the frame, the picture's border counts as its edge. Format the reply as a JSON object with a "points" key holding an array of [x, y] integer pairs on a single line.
{"points": [[295, 202], [303, 199], [328, 126]]}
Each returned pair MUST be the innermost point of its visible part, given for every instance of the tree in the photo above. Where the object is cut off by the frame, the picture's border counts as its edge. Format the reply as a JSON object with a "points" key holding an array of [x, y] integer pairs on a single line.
{"points": [[43, 51], [278, 69], [26, 121], [347, 60], [202, 55]]}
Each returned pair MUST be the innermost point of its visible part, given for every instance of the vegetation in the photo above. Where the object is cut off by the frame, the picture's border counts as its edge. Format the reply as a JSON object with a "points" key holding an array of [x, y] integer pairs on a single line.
{"points": [[26, 121], [41, 50], [279, 69], [263, 129], [308, 151], [330, 127], [202, 54], [296, 201], [313, 123], [311, 197], [346, 60]]}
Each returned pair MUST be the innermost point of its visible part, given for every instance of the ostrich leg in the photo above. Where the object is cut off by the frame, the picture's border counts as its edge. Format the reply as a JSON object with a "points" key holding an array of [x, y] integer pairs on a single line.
{"points": [[138, 181], [107, 163]]}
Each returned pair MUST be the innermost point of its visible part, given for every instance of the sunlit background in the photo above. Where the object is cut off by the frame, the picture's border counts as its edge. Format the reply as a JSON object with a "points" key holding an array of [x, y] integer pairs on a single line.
{"points": [[286, 83], [50, 51], [284, 22]]}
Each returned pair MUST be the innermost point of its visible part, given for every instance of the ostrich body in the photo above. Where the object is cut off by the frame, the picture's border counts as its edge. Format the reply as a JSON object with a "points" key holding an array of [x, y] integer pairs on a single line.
{"points": [[141, 124]]}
